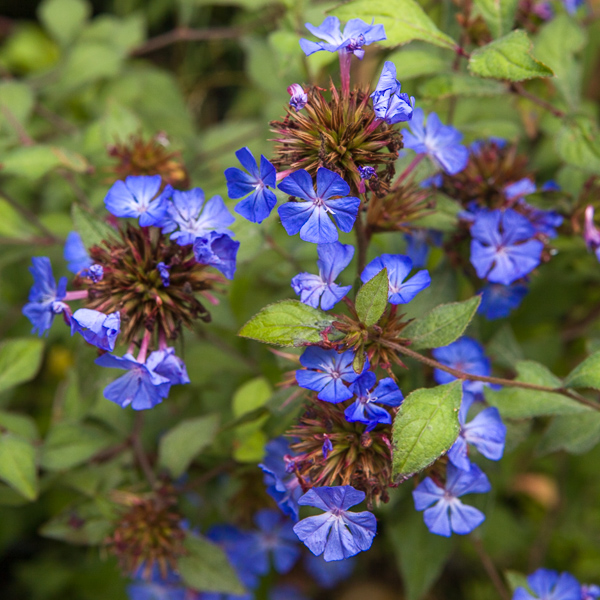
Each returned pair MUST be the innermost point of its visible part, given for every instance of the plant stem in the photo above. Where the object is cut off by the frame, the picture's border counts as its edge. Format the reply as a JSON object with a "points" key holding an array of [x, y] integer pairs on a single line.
{"points": [[518, 89], [494, 380], [490, 568], [138, 449], [411, 167], [363, 237], [345, 63]]}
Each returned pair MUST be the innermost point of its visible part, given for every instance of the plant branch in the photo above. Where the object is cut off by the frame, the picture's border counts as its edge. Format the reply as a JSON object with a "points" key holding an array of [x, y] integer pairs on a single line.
{"points": [[490, 568], [493, 380], [518, 89]]}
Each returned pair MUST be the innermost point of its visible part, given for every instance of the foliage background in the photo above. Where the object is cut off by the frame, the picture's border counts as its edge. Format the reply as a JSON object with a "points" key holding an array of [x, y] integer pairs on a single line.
{"points": [[76, 76]]}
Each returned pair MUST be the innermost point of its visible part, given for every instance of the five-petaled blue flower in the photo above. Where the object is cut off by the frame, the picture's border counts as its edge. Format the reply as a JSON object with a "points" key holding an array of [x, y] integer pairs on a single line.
{"points": [[75, 253], [187, 217], [365, 409], [486, 432], [218, 250], [549, 585], [97, 329], [283, 485], [333, 259], [337, 533], [498, 301], [388, 103], [166, 364], [439, 142], [310, 217], [45, 296], [503, 249], [398, 267], [356, 34], [255, 184], [325, 372], [138, 196], [448, 514]]}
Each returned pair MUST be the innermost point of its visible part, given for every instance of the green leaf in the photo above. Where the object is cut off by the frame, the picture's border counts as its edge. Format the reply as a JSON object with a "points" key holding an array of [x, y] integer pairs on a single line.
{"points": [[22, 425], [251, 395], [36, 161], [508, 58], [420, 555], [287, 323], [180, 445], [372, 298], [459, 84], [92, 229], [442, 325], [16, 103], [578, 144], [64, 18], [518, 403], [20, 360], [206, 568], [68, 445], [425, 427], [576, 434], [586, 374], [498, 14], [89, 62], [17, 464], [414, 62], [403, 20]]}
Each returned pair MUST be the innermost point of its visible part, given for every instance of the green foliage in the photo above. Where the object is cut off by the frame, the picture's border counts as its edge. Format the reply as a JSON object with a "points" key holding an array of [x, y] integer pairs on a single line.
{"points": [[371, 299], [64, 18], [90, 227], [509, 57], [425, 428], [287, 323], [442, 325], [498, 14], [18, 464], [586, 374], [575, 433], [20, 360], [577, 143], [459, 84]]}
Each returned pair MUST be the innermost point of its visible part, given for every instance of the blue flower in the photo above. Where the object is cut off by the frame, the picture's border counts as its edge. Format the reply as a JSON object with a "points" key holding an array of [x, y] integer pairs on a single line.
{"points": [[333, 259], [75, 253], [261, 200], [299, 97], [97, 329], [166, 364], [440, 142], [337, 533], [418, 244], [327, 447], [366, 172], [138, 196], [520, 188], [549, 585], [325, 372], [95, 273], [356, 35], [486, 432], [398, 267], [467, 355], [188, 213], [571, 6], [310, 217], [157, 588], [217, 250], [140, 387], [503, 249], [590, 592], [45, 296], [329, 574], [388, 103], [364, 409], [448, 514], [550, 186], [283, 485], [498, 301], [163, 271]]}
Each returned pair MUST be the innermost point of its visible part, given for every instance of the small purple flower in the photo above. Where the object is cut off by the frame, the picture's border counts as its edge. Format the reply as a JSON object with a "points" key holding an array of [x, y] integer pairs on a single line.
{"points": [[486, 432], [187, 217], [327, 447], [75, 253], [299, 97], [255, 185], [439, 142], [45, 297], [95, 273], [549, 585], [356, 35], [310, 218], [337, 533], [418, 245], [388, 103], [398, 267], [503, 249], [591, 234], [283, 485], [448, 514], [325, 372], [498, 301], [365, 409], [329, 574], [97, 329], [140, 387], [163, 271], [367, 172], [138, 196], [333, 259], [217, 250]]}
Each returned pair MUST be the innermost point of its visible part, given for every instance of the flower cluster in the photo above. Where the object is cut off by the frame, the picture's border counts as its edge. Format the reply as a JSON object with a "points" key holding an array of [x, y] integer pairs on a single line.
{"points": [[545, 584]]}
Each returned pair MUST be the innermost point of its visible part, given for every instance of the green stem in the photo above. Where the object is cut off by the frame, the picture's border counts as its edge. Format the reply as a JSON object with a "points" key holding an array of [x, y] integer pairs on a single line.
{"points": [[490, 568]]}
